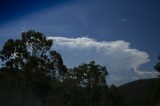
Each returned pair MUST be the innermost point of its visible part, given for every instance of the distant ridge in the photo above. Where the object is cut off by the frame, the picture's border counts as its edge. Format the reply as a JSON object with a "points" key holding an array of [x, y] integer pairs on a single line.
{"points": [[135, 92]]}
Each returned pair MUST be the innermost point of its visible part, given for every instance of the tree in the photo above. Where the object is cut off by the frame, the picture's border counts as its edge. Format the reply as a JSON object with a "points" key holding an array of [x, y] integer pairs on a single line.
{"points": [[157, 66], [31, 56], [60, 70], [90, 75], [31, 53]]}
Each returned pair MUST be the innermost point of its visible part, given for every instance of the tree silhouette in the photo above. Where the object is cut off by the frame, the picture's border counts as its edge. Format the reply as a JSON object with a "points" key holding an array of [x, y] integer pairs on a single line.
{"points": [[157, 66], [32, 74], [91, 74], [31, 56]]}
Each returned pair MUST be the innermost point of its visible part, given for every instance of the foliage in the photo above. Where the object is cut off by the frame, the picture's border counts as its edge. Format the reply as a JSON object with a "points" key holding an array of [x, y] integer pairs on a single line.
{"points": [[90, 75], [157, 66], [34, 75]]}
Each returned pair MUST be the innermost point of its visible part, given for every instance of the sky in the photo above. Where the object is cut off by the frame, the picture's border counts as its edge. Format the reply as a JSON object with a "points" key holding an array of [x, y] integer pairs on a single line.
{"points": [[123, 35]]}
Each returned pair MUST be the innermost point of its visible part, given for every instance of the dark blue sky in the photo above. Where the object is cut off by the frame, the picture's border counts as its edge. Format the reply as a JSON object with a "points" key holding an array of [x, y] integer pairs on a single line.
{"points": [[133, 21], [12, 9]]}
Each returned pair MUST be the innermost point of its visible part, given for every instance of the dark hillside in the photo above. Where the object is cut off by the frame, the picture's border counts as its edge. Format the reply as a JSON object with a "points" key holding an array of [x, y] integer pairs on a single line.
{"points": [[142, 92]]}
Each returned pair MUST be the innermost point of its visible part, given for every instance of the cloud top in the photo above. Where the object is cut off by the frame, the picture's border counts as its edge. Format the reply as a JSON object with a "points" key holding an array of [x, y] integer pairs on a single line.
{"points": [[119, 50]]}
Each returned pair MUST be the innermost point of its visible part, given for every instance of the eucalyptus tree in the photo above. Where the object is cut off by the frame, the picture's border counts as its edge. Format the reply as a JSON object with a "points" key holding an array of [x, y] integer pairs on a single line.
{"points": [[31, 56]]}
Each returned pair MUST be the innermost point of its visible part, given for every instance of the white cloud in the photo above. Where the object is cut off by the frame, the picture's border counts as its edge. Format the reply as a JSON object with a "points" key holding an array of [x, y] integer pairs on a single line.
{"points": [[118, 56], [119, 51], [144, 74]]}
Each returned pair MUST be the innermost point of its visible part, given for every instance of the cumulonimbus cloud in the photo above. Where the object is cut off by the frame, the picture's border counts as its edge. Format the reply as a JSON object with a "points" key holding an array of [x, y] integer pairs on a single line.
{"points": [[116, 55]]}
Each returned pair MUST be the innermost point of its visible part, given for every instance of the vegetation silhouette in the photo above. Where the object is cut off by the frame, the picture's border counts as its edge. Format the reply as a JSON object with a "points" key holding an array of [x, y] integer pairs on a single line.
{"points": [[31, 74], [157, 66]]}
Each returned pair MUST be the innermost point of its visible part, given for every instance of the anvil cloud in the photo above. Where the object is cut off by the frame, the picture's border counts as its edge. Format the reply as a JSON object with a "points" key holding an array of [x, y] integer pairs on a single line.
{"points": [[117, 56]]}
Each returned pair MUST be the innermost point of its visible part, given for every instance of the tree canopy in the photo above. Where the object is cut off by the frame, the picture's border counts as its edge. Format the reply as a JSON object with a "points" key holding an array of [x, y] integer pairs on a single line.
{"points": [[33, 74], [157, 66]]}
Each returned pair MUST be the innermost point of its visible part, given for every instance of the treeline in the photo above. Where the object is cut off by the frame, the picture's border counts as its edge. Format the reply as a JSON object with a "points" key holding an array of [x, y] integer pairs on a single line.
{"points": [[32, 74]]}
